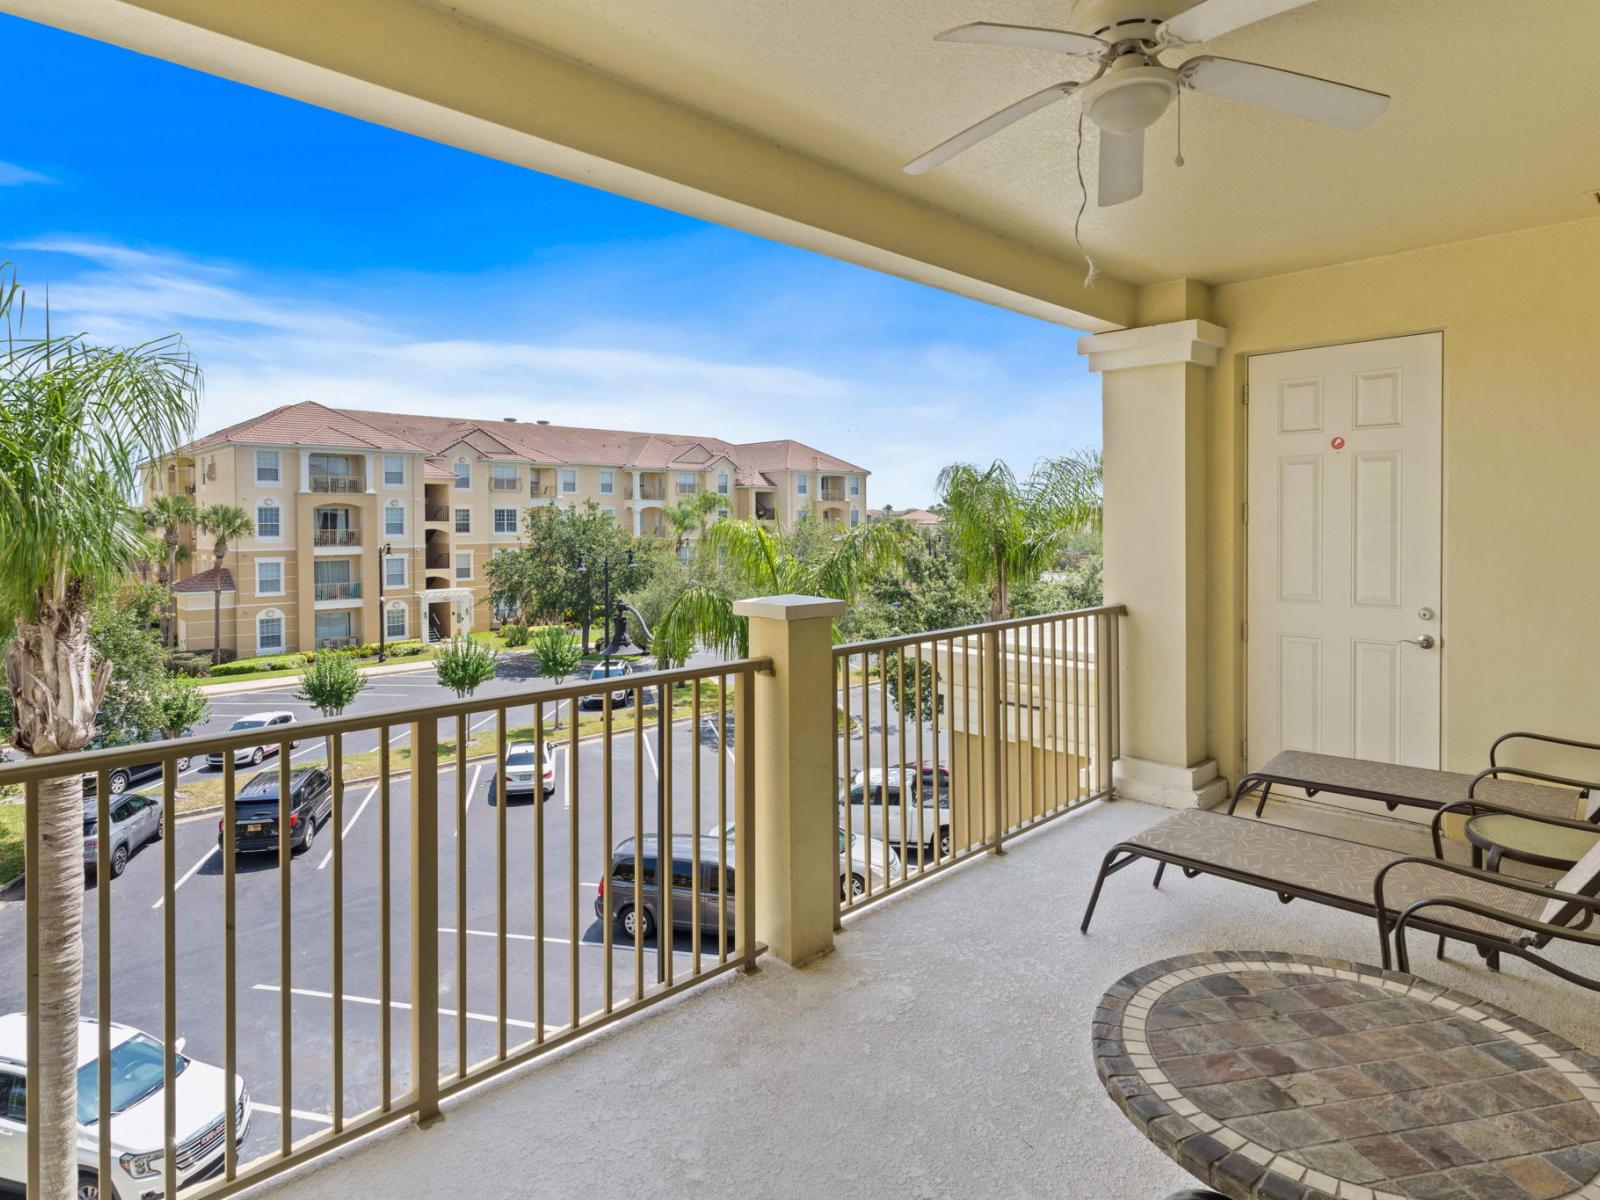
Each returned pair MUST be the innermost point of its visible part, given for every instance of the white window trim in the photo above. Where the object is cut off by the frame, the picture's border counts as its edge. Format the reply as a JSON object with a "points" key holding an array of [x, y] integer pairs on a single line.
{"points": [[565, 476], [802, 485], [461, 484], [608, 483], [401, 532], [260, 482], [283, 631], [257, 568], [722, 483], [455, 565], [455, 518], [405, 571], [494, 521], [608, 511], [269, 537], [384, 467], [855, 485], [405, 620]]}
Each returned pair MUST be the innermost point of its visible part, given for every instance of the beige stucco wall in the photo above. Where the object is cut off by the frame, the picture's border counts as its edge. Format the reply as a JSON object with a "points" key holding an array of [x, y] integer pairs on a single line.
{"points": [[1520, 315]]}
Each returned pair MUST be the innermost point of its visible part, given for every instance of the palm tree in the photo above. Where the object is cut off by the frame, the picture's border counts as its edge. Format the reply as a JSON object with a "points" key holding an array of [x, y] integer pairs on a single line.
{"points": [[226, 523], [1004, 532], [171, 515], [691, 513], [76, 420], [757, 563]]}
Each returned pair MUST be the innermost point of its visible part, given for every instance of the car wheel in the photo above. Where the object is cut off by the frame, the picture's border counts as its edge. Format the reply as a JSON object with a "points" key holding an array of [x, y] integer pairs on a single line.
{"points": [[310, 836], [119, 861], [858, 887], [941, 847], [625, 922], [256, 756], [118, 782], [183, 764], [88, 1186]]}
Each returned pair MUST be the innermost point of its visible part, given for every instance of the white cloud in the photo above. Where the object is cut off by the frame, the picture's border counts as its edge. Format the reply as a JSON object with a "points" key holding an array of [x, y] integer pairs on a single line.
{"points": [[12, 175], [901, 409]]}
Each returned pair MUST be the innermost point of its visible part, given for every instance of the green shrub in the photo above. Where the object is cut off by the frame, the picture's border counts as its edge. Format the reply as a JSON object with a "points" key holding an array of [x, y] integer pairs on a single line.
{"points": [[183, 662], [330, 683], [250, 666], [514, 635], [463, 663]]}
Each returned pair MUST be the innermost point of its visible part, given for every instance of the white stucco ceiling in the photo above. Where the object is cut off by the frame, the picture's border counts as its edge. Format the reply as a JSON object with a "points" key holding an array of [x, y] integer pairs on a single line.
{"points": [[1488, 130]]}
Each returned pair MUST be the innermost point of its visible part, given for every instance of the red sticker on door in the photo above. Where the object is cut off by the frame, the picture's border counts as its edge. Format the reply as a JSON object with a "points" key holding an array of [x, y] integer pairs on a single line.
{"points": [[1338, 443]]}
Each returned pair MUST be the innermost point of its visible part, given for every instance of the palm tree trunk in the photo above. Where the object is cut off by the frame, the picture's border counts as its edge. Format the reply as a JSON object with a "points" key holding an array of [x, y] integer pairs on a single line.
{"points": [[170, 633], [216, 613], [48, 667]]}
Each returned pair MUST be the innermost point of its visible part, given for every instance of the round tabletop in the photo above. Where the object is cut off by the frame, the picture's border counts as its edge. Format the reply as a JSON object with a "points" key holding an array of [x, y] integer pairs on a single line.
{"points": [[1537, 842], [1288, 1077]]}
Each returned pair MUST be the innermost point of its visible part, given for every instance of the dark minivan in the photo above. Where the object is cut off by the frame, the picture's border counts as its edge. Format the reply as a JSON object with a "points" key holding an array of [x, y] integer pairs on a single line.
{"points": [[256, 810], [619, 879]]}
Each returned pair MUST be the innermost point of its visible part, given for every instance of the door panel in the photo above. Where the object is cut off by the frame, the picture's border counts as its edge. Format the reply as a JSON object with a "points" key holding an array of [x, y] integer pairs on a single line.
{"points": [[1344, 554]]}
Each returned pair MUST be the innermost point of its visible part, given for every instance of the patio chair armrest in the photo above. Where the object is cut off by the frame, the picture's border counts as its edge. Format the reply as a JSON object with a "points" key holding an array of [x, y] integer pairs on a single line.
{"points": [[1584, 786], [1566, 933], [1547, 738], [1474, 807], [1509, 882]]}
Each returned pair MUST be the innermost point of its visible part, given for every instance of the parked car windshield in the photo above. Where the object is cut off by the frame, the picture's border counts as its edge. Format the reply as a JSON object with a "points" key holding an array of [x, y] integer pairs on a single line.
{"points": [[520, 758], [247, 723], [135, 1074]]}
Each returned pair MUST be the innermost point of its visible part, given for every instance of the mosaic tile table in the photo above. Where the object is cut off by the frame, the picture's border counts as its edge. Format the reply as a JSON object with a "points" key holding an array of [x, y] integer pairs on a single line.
{"points": [[1276, 1076]]}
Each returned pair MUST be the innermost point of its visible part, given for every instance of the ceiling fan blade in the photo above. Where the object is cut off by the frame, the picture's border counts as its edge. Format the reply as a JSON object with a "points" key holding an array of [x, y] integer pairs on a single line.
{"points": [[1336, 104], [1009, 115], [1121, 167], [1213, 18], [991, 34]]}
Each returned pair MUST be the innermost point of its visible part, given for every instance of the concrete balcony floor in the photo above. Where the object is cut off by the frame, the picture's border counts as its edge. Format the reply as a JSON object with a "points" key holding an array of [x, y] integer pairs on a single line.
{"points": [[942, 1050]]}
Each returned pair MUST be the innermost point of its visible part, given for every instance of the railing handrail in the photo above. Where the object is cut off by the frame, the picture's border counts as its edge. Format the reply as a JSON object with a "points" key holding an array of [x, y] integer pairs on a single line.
{"points": [[909, 639], [82, 761]]}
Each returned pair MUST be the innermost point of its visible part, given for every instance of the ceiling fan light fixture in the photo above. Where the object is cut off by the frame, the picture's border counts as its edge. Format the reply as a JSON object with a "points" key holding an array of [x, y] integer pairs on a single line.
{"points": [[1130, 100]]}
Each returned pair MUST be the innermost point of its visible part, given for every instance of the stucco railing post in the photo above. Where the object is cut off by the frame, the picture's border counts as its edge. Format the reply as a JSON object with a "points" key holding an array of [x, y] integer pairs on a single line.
{"points": [[796, 812]]}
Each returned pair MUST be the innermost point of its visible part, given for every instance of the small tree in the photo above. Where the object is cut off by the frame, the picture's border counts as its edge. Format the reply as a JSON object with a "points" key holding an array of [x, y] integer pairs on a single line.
{"points": [[180, 707], [330, 683], [171, 515], [226, 523], [464, 663], [558, 654]]}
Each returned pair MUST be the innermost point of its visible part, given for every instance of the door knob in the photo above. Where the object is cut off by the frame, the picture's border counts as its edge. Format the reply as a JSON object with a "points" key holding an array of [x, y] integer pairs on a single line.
{"points": [[1422, 641]]}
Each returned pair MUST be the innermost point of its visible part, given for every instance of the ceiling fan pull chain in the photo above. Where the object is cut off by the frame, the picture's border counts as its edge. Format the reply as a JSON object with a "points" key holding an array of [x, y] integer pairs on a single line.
{"points": [[1083, 203], [1179, 160]]}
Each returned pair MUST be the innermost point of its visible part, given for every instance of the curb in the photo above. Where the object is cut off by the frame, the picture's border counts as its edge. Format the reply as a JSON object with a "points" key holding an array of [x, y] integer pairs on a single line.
{"points": [[423, 663]]}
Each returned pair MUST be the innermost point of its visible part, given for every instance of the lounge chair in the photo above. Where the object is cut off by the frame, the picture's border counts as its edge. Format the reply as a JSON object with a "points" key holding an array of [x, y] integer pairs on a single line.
{"points": [[1518, 788], [1495, 913]]}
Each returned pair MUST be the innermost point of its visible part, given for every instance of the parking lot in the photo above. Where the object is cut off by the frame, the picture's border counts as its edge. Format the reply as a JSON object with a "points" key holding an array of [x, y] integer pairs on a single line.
{"points": [[539, 842]]}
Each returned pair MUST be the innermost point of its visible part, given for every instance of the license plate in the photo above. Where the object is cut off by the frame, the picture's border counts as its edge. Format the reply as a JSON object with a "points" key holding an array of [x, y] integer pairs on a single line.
{"points": [[252, 828]]}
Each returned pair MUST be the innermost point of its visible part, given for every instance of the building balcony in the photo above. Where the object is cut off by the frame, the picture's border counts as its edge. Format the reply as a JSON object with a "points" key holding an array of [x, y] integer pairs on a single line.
{"points": [[322, 592], [337, 484], [646, 491], [436, 514], [830, 493], [541, 491], [336, 537]]}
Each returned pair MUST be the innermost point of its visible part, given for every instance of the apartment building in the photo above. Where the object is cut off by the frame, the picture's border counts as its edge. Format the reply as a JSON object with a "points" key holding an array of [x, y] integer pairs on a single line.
{"points": [[361, 517]]}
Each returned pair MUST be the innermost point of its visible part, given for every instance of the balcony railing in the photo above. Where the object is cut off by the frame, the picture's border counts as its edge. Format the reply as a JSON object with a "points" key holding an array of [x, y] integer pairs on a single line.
{"points": [[647, 491], [687, 489], [335, 643], [337, 537], [541, 491], [337, 483], [505, 485], [765, 514], [337, 591], [436, 512], [945, 744], [830, 493], [253, 994]]}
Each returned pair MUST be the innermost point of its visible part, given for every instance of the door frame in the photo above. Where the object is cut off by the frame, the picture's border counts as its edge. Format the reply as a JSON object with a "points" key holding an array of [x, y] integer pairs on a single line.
{"points": [[1242, 527]]}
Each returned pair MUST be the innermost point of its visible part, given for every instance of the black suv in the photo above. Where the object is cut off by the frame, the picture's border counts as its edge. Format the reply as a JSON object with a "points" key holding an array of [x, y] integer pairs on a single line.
{"points": [[256, 810]]}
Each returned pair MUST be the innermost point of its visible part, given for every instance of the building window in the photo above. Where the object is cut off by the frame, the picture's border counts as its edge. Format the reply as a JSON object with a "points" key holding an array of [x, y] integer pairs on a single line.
{"points": [[688, 483], [394, 621], [503, 477], [268, 523], [394, 571], [855, 485], [463, 520], [336, 627], [801, 484], [505, 520], [463, 476], [269, 631], [722, 483], [268, 467], [569, 482], [855, 517], [722, 514], [608, 482], [609, 514], [269, 576], [394, 521], [464, 565], [394, 470]]}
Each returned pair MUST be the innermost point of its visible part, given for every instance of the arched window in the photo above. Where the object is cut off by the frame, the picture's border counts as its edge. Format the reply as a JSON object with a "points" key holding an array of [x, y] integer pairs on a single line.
{"points": [[269, 631]]}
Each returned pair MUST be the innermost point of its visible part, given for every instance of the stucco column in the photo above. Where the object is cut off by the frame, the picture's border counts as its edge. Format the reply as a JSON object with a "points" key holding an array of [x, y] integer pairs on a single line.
{"points": [[372, 477], [1154, 384], [305, 470], [796, 808]]}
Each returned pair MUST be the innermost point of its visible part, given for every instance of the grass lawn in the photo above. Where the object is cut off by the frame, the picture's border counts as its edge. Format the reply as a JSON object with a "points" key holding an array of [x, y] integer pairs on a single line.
{"points": [[11, 817]]}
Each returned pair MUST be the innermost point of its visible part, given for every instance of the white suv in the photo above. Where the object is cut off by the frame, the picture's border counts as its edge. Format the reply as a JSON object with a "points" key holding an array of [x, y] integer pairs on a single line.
{"points": [[137, 1111], [253, 755]]}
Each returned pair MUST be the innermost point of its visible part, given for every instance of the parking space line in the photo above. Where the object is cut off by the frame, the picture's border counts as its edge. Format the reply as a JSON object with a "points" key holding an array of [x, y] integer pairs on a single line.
{"points": [[528, 937], [350, 824], [298, 1114], [374, 1002], [187, 875], [651, 755]]}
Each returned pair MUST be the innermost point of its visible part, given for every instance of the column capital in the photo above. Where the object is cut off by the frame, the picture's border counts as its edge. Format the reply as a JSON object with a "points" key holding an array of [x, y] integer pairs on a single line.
{"points": [[790, 607], [1199, 343]]}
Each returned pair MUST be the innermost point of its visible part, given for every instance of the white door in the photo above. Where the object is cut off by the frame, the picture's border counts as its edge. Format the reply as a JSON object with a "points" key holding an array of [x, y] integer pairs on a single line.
{"points": [[1344, 569]]}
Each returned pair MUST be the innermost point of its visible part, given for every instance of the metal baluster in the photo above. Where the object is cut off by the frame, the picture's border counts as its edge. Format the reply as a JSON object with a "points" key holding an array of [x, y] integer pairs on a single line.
{"points": [[538, 870], [285, 964], [638, 847], [694, 819], [102, 935], [461, 896], [500, 864], [336, 913], [607, 840], [385, 933]]}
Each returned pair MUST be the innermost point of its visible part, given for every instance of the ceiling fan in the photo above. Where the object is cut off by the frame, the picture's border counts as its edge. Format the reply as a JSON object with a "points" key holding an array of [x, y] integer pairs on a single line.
{"points": [[1131, 87]]}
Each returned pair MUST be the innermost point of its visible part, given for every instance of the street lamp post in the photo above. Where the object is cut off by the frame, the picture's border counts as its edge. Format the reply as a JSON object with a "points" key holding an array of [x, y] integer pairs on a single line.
{"points": [[383, 617], [605, 588]]}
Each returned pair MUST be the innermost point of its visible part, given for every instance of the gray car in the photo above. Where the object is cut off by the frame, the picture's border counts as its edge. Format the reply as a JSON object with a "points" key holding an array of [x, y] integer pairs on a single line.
{"points": [[135, 820], [619, 880]]}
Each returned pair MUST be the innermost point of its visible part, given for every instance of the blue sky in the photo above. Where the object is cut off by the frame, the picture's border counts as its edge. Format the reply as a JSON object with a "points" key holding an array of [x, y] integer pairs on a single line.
{"points": [[307, 255]]}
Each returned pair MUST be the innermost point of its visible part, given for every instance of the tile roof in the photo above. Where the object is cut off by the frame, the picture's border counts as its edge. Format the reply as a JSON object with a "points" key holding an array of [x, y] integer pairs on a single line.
{"points": [[917, 516], [311, 424], [205, 581]]}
